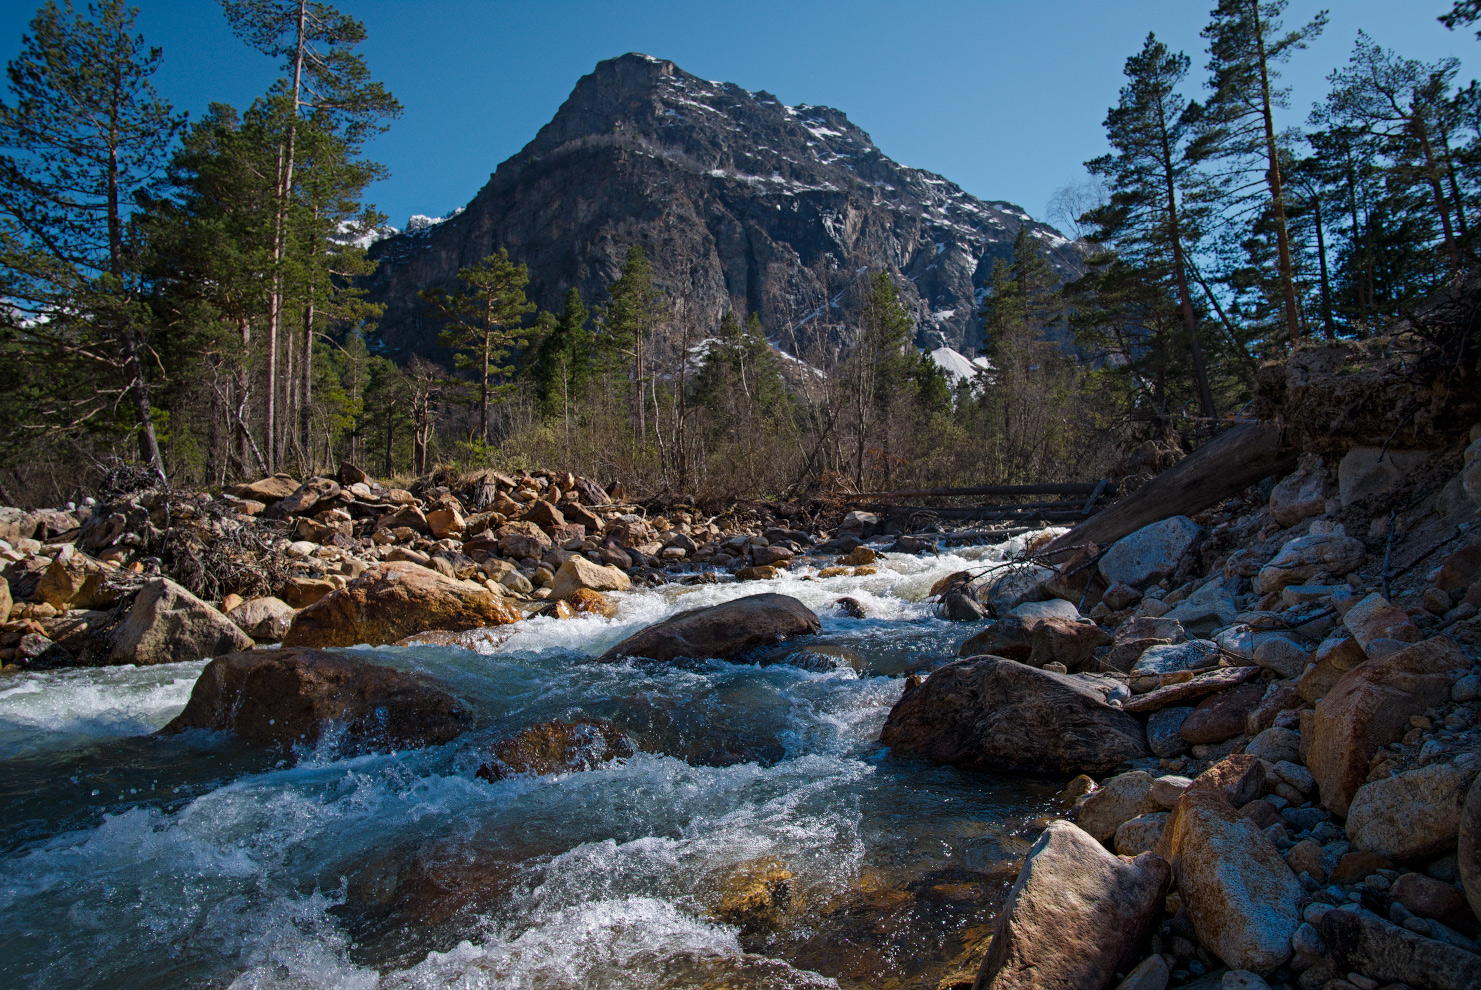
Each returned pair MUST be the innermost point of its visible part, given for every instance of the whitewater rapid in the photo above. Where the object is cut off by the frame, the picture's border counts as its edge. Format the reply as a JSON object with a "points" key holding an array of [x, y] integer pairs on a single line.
{"points": [[133, 861]]}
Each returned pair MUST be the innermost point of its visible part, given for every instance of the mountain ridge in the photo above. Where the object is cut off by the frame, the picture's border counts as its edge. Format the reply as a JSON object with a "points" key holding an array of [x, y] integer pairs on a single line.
{"points": [[740, 201]]}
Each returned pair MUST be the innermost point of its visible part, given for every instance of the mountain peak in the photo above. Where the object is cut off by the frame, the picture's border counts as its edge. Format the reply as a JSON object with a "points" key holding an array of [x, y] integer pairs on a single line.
{"points": [[742, 202]]}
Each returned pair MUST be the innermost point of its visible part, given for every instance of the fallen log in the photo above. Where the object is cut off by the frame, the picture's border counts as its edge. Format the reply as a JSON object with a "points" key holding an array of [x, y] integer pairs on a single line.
{"points": [[1071, 488], [1222, 467]]}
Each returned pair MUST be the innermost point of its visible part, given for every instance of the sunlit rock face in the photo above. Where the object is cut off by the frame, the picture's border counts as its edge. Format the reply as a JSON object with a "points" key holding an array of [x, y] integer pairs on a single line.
{"points": [[740, 201]]}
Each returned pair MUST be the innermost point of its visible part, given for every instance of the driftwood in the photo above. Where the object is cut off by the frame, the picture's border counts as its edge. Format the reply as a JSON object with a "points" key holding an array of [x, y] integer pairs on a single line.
{"points": [[1223, 467]]}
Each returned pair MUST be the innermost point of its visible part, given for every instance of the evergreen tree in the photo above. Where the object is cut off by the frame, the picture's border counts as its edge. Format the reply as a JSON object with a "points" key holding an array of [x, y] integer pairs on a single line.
{"points": [[1149, 173], [636, 307], [315, 45], [82, 134], [563, 357], [879, 362], [1245, 47], [484, 322]]}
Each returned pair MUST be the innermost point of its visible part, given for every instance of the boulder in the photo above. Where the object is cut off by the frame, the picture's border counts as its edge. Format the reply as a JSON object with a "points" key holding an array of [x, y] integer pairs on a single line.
{"points": [[314, 495], [1468, 847], [445, 522], [1067, 641], [1362, 942], [1370, 707], [1300, 495], [1470, 475], [1053, 608], [1221, 716], [761, 572], [1413, 815], [1459, 570], [578, 573], [721, 632], [1276, 744], [1009, 587], [291, 697], [73, 581], [1281, 654], [1240, 779], [1380, 628], [6, 602], [1163, 736], [1010, 637], [593, 602], [556, 747], [1075, 916], [1431, 898], [1137, 635], [393, 600], [1196, 654], [167, 624], [1117, 801], [1279, 697], [997, 714], [264, 619], [1304, 557], [1149, 554], [301, 592], [266, 490], [1140, 834], [1209, 608], [1243, 900], [521, 539], [1373, 472], [1198, 685]]}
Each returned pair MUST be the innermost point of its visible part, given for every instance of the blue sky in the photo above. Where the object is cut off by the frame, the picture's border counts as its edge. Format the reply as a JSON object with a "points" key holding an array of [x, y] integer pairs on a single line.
{"points": [[1003, 97]]}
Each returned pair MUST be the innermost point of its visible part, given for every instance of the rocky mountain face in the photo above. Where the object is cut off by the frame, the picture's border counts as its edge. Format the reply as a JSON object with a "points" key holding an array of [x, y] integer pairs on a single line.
{"points": [[741, 203]]}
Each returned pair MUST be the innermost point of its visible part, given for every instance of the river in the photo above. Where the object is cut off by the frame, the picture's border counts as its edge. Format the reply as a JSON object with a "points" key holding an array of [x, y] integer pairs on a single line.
{"points": [[131, 861]]}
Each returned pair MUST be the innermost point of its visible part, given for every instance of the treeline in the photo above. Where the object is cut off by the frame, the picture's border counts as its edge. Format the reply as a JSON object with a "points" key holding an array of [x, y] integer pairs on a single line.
{"points": [[181, 295], [1231, 230]]}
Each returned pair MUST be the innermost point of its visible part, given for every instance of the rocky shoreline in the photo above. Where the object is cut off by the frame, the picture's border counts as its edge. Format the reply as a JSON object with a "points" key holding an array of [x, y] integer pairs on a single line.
{"points": [[1271, 723]]}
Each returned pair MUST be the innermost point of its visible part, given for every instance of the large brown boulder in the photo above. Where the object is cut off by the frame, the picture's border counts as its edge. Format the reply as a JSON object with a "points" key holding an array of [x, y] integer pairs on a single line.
{"points": [[1369, 708], [168, 624], [267, 490], [287, 697], [722, 631], [556, 747], [1075, 916], [1243, 900], [521, 539], [998, 714], [394, 600], [578, 573], [314, 495]]}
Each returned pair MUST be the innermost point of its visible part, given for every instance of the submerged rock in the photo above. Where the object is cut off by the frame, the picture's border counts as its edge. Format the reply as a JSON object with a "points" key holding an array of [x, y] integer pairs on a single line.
{"points": [[557, 747], [288, 697], [1075, 917], [392, 601], [722, 631], [997, 714]]}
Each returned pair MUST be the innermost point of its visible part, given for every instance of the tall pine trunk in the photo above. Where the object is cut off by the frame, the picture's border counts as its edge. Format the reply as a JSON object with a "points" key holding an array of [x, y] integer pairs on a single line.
{"points": [[1277, 199], [280, 221]]}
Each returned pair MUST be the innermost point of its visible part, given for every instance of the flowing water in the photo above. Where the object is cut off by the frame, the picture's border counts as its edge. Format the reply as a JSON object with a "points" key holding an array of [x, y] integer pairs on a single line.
{"points": [[194, 860]]}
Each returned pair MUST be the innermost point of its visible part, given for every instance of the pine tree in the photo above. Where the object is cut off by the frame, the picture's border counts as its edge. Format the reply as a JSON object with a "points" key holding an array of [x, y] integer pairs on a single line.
{"points": [[315, 44], [1245, 46], [879, 362], [1404, 105], [1154, 162], [563, 358], [637, 305], [484, 322], [83, 133]]}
